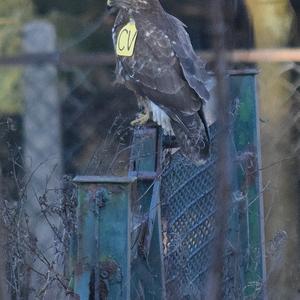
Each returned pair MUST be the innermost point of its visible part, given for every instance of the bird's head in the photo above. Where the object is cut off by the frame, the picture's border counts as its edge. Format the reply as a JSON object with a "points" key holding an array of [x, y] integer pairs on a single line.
{"points": [[130, 4]]}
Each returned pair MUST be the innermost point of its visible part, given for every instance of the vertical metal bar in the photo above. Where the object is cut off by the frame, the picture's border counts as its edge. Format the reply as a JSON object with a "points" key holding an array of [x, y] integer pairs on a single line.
{"points": [[247, 147], [86, 243], [147, 265], [152, 214], [260, 195]]}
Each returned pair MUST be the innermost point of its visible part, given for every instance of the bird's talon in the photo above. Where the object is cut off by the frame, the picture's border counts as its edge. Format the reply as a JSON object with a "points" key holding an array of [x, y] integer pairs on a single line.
{"points": [[141, 120]]}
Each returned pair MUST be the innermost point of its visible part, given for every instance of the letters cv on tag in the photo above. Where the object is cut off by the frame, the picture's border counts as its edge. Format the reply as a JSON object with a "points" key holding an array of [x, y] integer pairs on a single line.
{"points": [[126, 40]]}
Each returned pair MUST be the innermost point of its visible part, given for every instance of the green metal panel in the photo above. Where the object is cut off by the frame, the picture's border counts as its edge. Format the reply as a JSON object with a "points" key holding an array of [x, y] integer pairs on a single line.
{"points": [[102, 263], [144, 151], [118, 246], [247, 153], [147, 263]]}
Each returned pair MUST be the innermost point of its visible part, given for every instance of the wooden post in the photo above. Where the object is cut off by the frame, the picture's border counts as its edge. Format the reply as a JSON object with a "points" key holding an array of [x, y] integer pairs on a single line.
{"points": [[42, 140]]}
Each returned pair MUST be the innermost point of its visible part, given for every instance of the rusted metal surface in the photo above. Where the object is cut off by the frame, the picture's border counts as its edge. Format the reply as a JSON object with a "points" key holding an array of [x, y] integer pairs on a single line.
{"points": [[102, 245], [118, 251]]}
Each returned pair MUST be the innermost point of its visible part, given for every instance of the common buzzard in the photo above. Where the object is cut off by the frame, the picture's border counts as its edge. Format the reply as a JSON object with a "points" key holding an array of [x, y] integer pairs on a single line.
{"points": [[155, 59]]}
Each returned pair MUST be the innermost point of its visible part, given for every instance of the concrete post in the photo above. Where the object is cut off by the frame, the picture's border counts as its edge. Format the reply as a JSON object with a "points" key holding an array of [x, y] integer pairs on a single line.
{"points": [[42, 141]]}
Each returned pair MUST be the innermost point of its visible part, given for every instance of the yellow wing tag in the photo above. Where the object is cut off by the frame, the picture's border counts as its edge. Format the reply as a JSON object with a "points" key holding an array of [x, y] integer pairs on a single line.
{"points": [[126, 40]]}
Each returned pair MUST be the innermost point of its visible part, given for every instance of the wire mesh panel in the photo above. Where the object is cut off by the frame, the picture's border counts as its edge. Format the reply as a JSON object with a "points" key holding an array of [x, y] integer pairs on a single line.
{"points": [[189, 205], [188, 197]]}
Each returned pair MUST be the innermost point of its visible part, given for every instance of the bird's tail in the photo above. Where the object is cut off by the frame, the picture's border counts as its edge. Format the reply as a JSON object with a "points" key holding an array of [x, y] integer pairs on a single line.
{"points": [[192, 135]]}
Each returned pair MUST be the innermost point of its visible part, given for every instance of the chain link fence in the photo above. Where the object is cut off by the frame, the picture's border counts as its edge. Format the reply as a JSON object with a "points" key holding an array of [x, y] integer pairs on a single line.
{"points": [[94, 138]]}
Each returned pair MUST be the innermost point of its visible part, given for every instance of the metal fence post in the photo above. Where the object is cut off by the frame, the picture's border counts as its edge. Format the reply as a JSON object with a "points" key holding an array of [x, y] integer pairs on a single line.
{"points": [[147, 263], [101, 254], [248, 179], [42, 137]]}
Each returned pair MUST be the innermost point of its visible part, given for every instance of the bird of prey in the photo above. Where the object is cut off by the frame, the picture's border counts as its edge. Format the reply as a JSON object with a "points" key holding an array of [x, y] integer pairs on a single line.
{"points": [[155, 59]]}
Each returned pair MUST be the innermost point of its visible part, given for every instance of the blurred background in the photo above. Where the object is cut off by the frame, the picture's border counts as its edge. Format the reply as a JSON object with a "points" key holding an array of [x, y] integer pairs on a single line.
{"points": [[66, 117]]}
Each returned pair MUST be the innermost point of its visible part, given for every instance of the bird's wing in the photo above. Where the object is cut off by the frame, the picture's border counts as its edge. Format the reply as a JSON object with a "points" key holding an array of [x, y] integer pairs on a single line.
{"points": [[155, 70], [154, 62], [192, 66]]}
